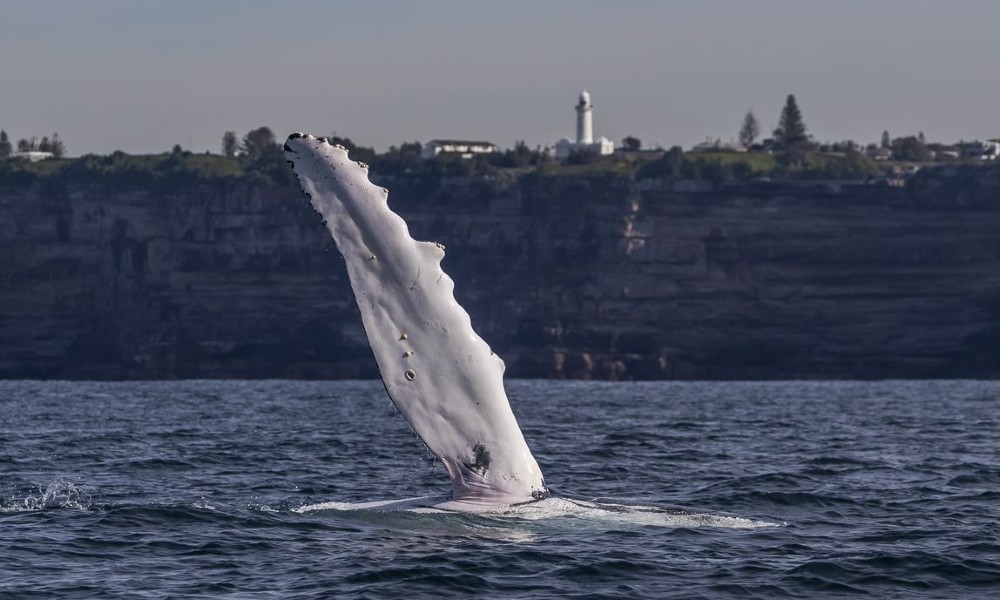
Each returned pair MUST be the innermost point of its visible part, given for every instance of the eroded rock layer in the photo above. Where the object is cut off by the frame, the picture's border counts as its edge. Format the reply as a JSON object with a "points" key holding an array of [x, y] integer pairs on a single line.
{"points": [[578, 277]]}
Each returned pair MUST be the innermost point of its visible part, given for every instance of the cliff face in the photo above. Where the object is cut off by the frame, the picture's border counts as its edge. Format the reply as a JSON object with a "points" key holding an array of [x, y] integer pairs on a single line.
{"points": [[216, 282], [586, 277]]}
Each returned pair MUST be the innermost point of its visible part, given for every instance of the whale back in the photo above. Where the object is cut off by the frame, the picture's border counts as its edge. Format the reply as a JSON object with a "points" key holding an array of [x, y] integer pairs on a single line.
{"points": [[441, 376]]}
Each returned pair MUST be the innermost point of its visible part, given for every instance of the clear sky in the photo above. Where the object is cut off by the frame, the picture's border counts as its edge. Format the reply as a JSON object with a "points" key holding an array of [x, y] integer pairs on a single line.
{"points": [[141, 76]]}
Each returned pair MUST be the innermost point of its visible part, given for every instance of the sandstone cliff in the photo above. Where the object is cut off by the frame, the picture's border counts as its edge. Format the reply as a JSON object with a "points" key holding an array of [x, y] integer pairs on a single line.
{"points": [[581, 277]]}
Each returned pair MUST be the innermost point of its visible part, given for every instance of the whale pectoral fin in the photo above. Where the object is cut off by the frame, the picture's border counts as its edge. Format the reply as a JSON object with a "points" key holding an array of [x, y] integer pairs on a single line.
{"points": [[438, 372]]}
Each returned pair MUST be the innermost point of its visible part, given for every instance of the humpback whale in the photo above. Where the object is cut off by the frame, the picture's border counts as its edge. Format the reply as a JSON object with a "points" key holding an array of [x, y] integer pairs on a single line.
{"points": [[441, 376]]}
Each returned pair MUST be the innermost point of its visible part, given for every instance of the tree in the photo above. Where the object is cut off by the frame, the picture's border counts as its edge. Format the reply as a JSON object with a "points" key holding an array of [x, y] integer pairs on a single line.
{"points": [[356, 152], [399, 160], [5, 147], [230, 145], [24, 145], [856, 165], [843, 146], [922, 138], [631, 144], [257, 142], [750, 129], [520, 156], [56, 146], [674, 159], [522, 153], [791, 131], [581, 156], [886, 140], [910, 149]]}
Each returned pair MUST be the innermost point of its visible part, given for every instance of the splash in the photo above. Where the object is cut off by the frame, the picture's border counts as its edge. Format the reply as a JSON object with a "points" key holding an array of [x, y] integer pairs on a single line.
{"points": [[57, 494]]}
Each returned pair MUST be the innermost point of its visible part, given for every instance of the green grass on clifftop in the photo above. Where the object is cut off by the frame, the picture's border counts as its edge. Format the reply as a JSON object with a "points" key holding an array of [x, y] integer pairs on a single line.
{"points": [[179, 169]]}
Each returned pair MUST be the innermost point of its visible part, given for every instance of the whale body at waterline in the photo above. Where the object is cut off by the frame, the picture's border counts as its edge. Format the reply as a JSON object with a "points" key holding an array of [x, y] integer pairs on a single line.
{"points": [[441, 376]]}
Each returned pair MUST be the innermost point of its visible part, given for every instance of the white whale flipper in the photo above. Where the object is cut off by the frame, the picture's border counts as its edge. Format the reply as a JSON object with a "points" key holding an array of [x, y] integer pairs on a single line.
{"points": [[441, 376]]}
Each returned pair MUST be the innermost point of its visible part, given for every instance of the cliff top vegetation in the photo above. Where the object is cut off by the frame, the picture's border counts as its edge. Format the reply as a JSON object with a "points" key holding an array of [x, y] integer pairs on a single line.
{"points": [[257, 159]]}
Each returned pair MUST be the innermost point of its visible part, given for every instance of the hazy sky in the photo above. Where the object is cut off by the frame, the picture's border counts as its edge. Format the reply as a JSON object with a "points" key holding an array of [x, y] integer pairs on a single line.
{"points": [[142, 76]]}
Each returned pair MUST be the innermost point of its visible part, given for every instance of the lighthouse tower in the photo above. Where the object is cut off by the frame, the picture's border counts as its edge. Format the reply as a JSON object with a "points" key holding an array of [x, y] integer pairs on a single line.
{"points": [[584, 120], [585, 141]]}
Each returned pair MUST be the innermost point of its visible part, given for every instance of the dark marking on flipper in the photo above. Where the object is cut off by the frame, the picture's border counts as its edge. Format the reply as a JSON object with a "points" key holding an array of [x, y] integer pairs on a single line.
{"points": [[481, 459]]}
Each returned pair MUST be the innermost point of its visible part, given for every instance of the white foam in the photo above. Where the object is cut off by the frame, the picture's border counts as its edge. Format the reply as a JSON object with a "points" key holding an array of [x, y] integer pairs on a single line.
{"points": [[57, 494], [418, 504], [203, 503], [554, 510], [627, 514]]}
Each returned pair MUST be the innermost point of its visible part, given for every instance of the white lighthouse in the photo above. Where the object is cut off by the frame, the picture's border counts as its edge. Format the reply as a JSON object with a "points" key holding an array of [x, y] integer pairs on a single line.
{"points": [[584, 120], [584, 132]]}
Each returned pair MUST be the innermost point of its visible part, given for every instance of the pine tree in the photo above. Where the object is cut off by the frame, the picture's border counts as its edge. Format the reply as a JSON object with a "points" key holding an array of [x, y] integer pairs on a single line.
{"points": [[5, 147], [229, 144], [750, 129], [886, 140], [791, 131]]}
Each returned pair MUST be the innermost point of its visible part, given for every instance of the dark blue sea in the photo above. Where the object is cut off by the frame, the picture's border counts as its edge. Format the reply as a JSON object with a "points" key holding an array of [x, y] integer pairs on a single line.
{"points": [[727, 490]]}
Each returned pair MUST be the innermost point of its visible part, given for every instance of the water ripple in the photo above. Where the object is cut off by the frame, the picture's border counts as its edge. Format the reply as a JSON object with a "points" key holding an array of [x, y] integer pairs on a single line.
{"points": [[193, 489]]}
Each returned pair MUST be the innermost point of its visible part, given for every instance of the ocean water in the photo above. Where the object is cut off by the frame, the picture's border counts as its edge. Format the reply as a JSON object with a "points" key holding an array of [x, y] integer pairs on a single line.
{"points": [[239, 489]]}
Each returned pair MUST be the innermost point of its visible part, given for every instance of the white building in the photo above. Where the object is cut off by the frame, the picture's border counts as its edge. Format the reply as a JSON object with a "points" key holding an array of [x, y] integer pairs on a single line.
{"points": [[717, 145], [988, 150], [465, 148], [33, 155], [584, 132]]}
